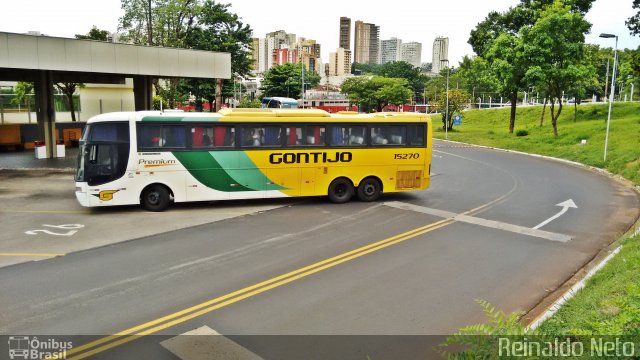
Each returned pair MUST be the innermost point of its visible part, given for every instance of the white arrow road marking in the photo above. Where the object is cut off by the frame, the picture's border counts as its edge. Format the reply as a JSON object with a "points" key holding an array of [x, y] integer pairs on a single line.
{"points": [[206, 343], [481, 222], [565, 206]]}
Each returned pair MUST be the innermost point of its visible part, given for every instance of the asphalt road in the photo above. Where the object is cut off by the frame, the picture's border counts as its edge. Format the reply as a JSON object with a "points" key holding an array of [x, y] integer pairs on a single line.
{"points": [[409, 264]]}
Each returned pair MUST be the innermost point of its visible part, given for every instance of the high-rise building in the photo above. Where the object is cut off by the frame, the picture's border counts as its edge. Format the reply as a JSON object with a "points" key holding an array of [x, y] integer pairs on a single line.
{"points": [[345, 33], [255, 54], [411, 52], [440, 54], [263, 55], [366, 49], [374, 44], [390, 50], [274, 41], [340, 62], [309, 54], [285, 55]]}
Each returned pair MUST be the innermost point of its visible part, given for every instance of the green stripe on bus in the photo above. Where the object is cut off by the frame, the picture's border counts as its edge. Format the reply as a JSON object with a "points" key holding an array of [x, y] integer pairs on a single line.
{"points": [[208, 171], [228, 171], [180, 119], [240, 167]]}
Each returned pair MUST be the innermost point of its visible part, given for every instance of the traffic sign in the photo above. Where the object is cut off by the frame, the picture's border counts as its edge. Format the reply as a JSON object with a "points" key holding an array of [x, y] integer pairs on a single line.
{"points": [[457, 120]]}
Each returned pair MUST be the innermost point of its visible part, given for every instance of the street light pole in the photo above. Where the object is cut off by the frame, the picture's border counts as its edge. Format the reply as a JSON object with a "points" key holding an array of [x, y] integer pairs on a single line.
{"points": [[606, 84], [302, 72], [613, 89], [446, 116]]}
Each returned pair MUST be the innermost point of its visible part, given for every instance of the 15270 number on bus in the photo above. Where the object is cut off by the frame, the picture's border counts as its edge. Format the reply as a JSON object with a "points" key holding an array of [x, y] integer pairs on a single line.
{"points": [[406, 156]]}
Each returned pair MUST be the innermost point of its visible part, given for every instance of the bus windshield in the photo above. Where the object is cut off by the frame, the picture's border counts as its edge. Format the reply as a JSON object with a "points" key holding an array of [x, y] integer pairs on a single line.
{"points": [[103, 153], [279, 103]]}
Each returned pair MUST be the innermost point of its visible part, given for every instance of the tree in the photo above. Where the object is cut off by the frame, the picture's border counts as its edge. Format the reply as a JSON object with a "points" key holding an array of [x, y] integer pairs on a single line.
{"points": [[633, 23], [162, 23], [217, 29], [555, 47], [458, 99], [374, 93], [477, 76], [193, 24], [95, 34], [286, 80], [498, 40], [404, 70], [364, 69], [171, 21], [509, 64], [68, 89], [21, 90]]}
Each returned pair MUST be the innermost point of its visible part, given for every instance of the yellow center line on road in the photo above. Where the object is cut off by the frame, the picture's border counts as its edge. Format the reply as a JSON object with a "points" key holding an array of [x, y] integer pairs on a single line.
{"points": [[222, 301], [32, 254]]}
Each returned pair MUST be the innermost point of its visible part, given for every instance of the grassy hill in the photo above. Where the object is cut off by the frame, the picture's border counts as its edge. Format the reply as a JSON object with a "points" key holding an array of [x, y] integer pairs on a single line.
{"points": [[490, 127]]}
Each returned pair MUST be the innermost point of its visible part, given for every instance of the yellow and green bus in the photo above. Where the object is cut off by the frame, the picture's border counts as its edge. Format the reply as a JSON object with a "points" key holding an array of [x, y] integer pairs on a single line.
{"points": [[156, 158]]}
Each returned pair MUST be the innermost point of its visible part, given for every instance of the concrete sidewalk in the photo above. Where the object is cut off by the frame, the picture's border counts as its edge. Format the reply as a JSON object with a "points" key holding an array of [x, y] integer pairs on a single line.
{"points": [[20, 160]]}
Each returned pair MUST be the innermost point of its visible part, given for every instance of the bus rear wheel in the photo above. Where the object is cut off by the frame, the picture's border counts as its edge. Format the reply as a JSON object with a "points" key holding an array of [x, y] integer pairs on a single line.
{"points": [[155, 198], [369, 189], [340, 191]]}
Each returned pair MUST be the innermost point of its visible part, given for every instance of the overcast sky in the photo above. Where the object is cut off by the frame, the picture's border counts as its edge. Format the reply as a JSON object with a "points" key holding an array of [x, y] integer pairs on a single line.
{"points": [[416, 20]]}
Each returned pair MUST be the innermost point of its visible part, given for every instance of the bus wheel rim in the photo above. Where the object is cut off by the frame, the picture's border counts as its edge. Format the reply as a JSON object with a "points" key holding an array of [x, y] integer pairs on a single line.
{"points": [[153, 197], [369, 189]]}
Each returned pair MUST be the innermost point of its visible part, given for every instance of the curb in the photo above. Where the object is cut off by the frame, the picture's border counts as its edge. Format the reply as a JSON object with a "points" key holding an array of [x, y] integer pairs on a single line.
{"points": [[578, 280]]}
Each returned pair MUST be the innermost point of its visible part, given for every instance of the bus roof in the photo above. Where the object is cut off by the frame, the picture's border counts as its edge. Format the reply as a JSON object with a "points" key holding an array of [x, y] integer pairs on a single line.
{"points": [[263, 115]]}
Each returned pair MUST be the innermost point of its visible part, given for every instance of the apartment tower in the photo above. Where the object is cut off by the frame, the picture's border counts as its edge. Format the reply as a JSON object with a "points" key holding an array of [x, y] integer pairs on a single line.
{"points": [[366, 49], [440, 54], [345, 33]]}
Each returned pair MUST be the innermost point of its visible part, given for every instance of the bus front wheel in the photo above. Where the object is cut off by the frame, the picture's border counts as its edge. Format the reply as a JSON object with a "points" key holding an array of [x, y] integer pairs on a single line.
{"points": [[155, 198], [340, 191], [369, 189]]}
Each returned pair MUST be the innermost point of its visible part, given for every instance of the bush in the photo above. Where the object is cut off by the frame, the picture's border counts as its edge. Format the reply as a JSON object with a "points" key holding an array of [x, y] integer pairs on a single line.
{"points": [[522, 133], [245, 103]]}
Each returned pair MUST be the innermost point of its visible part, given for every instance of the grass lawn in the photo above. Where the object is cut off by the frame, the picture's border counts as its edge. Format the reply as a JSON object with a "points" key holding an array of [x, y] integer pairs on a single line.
{"points": [[490, 127], [609, 304]]}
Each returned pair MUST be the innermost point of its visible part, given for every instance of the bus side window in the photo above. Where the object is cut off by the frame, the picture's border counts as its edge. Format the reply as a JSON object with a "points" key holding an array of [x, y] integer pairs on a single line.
{"points": [[337, 135], [379, 136], [357, 135], [223, 136], [294, 135], [201, 136], [251, 137], [315, 135], [149, 136], [416, 134], [397, 134], [173, 136]]}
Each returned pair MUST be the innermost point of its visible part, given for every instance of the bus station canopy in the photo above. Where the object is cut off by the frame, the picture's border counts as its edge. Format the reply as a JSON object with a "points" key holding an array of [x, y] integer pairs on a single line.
{"points": [[29, 52], [46, 60]]}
